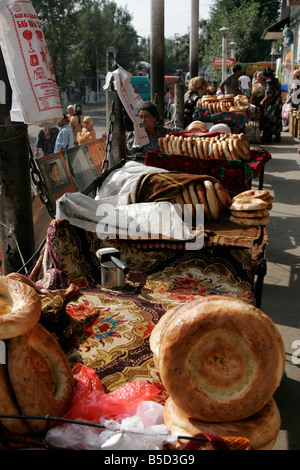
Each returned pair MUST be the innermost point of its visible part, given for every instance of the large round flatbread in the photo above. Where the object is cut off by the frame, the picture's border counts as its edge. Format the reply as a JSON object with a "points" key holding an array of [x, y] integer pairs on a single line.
{"points": [[253, 193], [20, 307], [212, 199], [221, 359], [249, 222], [251, 214], [261, 429], [157, 332], [9, 406], [248, 204], [40, 376]]}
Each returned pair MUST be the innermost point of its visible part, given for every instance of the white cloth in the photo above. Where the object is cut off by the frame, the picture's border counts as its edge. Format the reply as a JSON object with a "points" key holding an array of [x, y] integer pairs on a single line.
{"points": [[109, 213], [35, 95]]}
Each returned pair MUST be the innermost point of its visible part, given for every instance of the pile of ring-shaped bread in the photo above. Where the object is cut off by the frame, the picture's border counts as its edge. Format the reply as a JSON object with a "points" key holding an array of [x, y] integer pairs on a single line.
{"points": [[207, 191], [220, 147], [221, 360], [36, 378], [223, 103], [251, 207]]}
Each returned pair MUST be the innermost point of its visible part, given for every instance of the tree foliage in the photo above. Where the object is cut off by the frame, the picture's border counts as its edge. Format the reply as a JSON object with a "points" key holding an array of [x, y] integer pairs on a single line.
{"points": [[246, 20], [79, 34]]}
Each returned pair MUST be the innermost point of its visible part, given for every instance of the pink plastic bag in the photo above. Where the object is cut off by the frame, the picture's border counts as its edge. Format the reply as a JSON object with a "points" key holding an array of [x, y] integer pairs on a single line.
{"points": [[90, 402], [285, 111]]}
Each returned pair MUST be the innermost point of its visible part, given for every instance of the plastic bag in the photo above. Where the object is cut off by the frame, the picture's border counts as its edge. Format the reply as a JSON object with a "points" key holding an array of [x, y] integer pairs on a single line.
{"points": [[142, 429], [91, 403], [35, 97], [286, 111]]}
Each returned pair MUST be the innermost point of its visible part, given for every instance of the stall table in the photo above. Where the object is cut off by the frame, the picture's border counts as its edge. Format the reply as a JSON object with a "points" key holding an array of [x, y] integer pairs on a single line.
{"points": [[108, 330], [235, 175]]}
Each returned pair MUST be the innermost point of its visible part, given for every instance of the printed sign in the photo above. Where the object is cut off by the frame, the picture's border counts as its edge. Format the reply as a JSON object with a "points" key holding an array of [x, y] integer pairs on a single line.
{"points": [[35, 98], [218, 62]]}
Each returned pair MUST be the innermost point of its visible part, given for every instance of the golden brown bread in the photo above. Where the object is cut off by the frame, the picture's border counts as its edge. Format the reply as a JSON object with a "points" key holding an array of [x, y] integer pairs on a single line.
{"points": [[9, 406], [220, 359], [261, 429], [20, 307], [40, 375]]}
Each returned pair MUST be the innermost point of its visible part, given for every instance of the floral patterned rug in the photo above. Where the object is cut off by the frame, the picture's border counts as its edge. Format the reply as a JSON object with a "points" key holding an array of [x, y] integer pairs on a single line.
{"points": [[108, 330]]}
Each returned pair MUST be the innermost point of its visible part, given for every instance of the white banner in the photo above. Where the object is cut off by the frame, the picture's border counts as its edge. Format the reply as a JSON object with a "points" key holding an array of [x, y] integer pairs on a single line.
{"points": [[35, 95], [131, 101]]}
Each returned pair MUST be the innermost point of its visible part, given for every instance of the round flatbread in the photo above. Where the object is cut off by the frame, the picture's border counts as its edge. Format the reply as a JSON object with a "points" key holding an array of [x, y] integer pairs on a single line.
{"points": [[249, 222], [221, 359], [251, 214], [212, 199], [40, 376], [20, 307], [223, 195], [261, 429], [9, 406], [202, 198], [253, 193], [248, 204]]}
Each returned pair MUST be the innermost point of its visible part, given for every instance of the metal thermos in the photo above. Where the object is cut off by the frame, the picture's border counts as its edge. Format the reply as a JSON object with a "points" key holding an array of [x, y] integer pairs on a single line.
{"points": [[113, 269]]}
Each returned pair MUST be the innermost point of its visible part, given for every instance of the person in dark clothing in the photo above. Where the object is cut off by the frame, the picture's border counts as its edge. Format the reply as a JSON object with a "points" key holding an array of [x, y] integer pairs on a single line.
{"points": [[272, 107], [46, 140], [197, 88]]}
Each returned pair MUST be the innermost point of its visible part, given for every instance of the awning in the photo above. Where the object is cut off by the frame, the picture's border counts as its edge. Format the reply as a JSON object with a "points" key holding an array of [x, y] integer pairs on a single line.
{"points": [[275, 31]]}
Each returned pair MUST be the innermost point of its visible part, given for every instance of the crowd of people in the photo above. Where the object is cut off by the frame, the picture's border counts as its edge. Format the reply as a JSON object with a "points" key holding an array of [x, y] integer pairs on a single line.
{"points": [[73, 129], [263, 91]]}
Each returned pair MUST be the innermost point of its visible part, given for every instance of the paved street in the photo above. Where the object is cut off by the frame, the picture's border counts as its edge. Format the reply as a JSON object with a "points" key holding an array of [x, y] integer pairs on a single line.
{"points": [[281, 299]]}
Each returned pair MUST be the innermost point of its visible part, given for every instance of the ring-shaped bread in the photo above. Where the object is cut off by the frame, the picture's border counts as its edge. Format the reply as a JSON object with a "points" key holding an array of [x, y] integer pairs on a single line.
{"points": [[40, 375], [262, 194], [20, 307], [249, 204], [221, 359], [261, 429]]}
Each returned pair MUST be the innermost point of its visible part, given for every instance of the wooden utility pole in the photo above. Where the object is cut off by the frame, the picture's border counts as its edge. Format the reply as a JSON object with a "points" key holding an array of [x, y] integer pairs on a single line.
{"points": [[16, 220], [194, 38], [157, 55]]}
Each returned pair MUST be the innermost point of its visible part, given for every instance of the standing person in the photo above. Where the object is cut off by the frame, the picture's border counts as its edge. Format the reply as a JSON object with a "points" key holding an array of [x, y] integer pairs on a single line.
{"points": [[294, 97], [230, 86], [46, 140], [272, 106], [245, 84], [76, 120], [88, 133], [65, 139], [197, 88], [70, 112], [258, 90], [258, 94]]}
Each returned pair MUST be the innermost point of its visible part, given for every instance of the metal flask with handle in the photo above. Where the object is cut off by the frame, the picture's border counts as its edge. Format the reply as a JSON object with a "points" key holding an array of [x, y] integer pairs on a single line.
{"points": [[113, 269]]}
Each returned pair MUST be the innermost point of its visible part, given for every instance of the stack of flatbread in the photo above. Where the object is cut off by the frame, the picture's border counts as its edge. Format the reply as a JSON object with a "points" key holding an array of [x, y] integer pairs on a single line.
{"points": [[214, 197], [251, 207]]}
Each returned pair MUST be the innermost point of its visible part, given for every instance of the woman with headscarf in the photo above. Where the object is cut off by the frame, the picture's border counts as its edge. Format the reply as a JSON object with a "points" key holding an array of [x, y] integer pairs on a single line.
{"points": [[197, 88], [88, 133], [76, 120], [258, 94], [153, 126], [272, 107]]}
